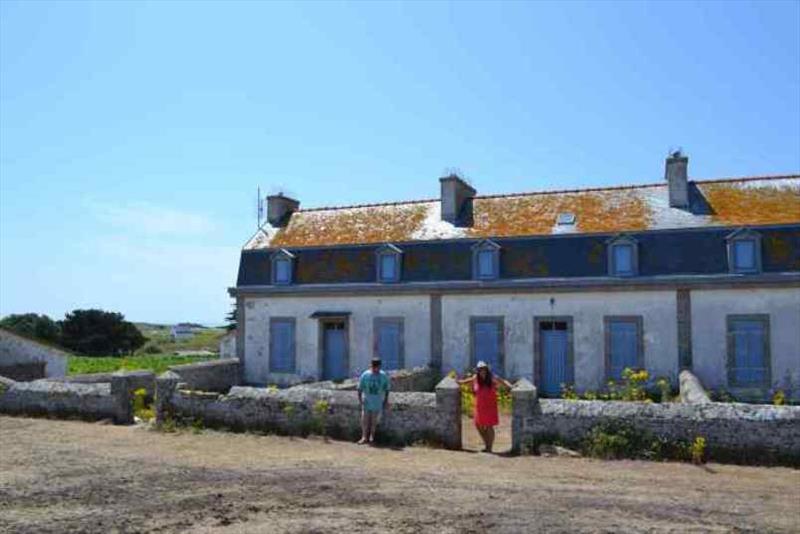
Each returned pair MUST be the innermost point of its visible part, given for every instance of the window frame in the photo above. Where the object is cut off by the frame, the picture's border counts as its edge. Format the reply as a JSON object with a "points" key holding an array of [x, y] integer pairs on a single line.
{"points": [[763, 318], [377, 322], [281, 255], [738, 236], [388, 250], [638, 321], [486, 245], [286, 320], [622, 240]]}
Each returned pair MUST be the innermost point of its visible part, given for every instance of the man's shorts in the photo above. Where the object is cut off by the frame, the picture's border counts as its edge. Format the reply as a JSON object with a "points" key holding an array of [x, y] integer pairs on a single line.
{"points": [[370, 417]]}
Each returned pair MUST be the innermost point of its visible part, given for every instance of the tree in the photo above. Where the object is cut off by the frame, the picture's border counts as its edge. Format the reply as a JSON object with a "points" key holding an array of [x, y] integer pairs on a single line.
{"points": [[100, 333], [231, 319], [33, 325]]}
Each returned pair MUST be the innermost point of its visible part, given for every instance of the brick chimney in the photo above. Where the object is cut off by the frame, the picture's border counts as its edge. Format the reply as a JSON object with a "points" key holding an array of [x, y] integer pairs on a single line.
{"points": [[676, 174], [280, 208], [456, 200]]}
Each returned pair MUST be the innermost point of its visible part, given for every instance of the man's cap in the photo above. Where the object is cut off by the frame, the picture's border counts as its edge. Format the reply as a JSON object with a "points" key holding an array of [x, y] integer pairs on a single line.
{"points": [[482, 364], [375, 361]]}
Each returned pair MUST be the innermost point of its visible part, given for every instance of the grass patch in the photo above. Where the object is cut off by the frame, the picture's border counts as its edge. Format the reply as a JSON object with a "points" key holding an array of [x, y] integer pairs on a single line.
{"points": [[158, 363]]}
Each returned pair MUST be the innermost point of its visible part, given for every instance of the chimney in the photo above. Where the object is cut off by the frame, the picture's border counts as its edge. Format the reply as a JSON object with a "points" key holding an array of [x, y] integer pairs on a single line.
{"points": [[676, 174], [456, 200], [280, 208]]}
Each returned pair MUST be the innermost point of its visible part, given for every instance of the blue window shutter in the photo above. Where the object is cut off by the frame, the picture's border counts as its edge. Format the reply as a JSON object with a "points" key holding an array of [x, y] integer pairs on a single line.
{"points": [[281, 353], [744, 255], [388, 267], [486, 264], [623, 347], [282, 271], [750, 365], [623, 259], [389, 345]]}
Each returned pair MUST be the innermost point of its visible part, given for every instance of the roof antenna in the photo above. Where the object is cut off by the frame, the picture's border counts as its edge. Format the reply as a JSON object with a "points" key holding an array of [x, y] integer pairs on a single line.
{"points": [[259, 207]]}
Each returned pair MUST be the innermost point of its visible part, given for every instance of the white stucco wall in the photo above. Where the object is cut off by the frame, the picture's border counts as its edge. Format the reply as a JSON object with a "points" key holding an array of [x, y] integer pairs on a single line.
{"points": [[709, 332], [15, 349], [657, 308], [414, 309], [227, 345]]}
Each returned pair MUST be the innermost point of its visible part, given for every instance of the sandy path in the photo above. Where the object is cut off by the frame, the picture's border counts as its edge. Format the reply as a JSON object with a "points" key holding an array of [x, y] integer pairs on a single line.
{"points": [[58, 476]]}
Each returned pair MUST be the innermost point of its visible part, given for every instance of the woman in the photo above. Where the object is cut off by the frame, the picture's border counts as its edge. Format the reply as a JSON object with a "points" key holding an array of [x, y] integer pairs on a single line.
{"points": [[484, 386]]}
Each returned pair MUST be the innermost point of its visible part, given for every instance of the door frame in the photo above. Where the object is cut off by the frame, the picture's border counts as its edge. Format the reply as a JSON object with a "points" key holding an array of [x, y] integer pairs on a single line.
{"points": [[538, 320], [321, 322]]}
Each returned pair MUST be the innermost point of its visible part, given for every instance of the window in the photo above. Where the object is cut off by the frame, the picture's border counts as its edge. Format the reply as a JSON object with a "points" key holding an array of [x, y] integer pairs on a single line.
{"points": [[486, 260], [388, 263], [748, 351], [282, 267], [487, 340], [623, 256], [282, 345], [388, 342], [744, 251], [565, 219], [623, 345]]}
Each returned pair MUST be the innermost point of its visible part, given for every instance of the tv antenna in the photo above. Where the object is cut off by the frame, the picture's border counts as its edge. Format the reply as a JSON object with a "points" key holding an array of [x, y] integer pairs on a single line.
{"points": [[259, 207]]}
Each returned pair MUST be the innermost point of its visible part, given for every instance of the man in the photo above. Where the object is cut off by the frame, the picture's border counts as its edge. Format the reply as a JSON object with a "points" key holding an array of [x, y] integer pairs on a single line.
{"points": [[373, 397]]}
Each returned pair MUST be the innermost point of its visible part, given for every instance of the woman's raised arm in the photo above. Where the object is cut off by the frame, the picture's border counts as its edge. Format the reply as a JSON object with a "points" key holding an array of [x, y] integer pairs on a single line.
{"points": [[466, 380]]}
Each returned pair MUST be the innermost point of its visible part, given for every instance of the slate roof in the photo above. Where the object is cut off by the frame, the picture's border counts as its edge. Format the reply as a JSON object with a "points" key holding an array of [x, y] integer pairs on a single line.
{"points": [[753, 201]]}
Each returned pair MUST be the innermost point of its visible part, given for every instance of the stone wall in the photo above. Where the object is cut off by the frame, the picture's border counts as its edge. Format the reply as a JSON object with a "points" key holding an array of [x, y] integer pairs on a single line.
{"points": [[137, 380], [23, 358], [733, 431], [416, 379], [433, 417], [66, 400], [216, 375]]}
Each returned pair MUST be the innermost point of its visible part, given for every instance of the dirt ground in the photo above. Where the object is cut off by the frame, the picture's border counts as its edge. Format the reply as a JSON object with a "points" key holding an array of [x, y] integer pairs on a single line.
{"points": [[64, 476]]}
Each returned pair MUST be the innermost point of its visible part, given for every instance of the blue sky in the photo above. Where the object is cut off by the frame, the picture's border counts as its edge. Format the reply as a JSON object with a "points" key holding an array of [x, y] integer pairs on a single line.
{"points": [[133, 135]]}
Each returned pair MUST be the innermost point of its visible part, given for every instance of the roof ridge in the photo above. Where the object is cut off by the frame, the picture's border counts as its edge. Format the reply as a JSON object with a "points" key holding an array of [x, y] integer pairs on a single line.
{"points": [[556, 191]]}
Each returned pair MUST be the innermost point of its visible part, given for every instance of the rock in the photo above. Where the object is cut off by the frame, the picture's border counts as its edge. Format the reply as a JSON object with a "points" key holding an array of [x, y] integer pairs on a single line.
{"points": [[556, 450]]}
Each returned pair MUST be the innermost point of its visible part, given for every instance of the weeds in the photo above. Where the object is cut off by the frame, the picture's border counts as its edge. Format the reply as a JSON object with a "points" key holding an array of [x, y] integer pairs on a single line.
{"points": [[140, 407], [633, 387], [779, 398], [698, 450], [320, 418]]}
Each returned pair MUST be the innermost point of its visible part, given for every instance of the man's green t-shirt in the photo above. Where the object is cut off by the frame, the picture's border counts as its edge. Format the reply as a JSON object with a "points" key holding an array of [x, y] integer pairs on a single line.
{"points": [[374, 387]]}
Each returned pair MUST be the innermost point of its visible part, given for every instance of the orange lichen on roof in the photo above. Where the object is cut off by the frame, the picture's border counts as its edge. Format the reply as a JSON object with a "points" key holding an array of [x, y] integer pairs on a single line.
{"points": [[377, 224], [733, 203], [595, 211]]}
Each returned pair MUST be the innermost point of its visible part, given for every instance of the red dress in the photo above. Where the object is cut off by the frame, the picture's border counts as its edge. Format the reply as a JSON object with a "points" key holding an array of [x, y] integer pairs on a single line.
{"points": [[485, 404]]}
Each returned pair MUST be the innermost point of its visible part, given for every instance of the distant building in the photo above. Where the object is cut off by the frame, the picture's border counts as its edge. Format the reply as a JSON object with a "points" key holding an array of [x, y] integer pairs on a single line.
{"points": [[182, 332], [560, 287]]}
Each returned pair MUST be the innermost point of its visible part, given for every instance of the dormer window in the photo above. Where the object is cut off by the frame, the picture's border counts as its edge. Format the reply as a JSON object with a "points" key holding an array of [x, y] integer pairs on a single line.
{"points": [[282, 267], [389, 264], [623, 256], [744, 251], [486, 260]]}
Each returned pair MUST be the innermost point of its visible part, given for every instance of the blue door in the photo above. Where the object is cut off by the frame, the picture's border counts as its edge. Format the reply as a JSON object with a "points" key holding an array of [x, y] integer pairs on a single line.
{"points": [[334, 352], [389, 344], [487, 339], [555, 362], [749, 356]]}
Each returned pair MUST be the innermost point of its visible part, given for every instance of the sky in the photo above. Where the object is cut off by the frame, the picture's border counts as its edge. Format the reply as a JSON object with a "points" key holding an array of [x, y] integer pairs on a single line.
{"points": [[133, 136]]}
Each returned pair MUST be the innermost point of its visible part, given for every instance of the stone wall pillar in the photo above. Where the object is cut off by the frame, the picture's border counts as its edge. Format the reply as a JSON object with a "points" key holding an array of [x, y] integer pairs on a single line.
{"points": [[692, 391], [166, 384], [448, 404], [524, 404], [121, 385]]}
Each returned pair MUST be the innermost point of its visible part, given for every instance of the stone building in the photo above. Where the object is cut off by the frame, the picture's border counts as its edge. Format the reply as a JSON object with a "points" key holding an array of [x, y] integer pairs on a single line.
{"points": [[560, 287]]}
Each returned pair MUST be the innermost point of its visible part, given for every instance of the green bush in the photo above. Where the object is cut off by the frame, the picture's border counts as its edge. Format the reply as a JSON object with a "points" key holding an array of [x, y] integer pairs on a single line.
{"points": [[152, 348], [613, 441]]}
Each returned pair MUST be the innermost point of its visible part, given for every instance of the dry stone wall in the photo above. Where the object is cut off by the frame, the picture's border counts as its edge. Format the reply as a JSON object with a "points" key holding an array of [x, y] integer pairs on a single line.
{"points": [[413, 416], [751, 432], [66, 400], [215, 375]]}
